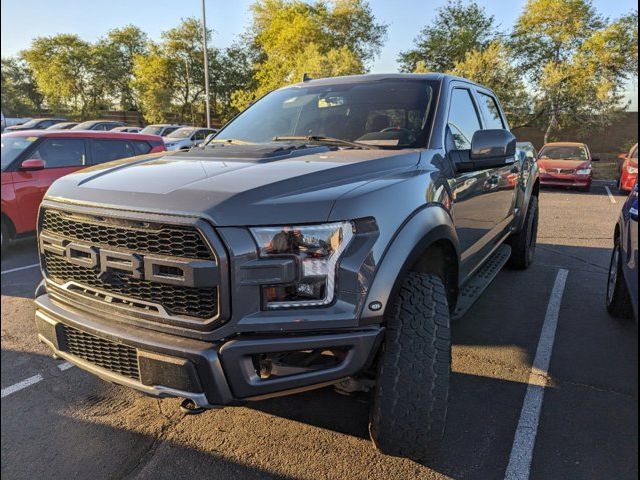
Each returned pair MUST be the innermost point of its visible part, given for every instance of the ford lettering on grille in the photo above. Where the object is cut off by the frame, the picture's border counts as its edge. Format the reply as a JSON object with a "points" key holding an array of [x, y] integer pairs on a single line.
{"points": [[152, 268]]}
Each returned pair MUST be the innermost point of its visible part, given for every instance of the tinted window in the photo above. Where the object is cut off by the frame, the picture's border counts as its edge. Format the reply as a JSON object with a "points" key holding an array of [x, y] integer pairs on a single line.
{"points": [[491, 112], [61, 152], [463, 120], [107, 150], [353, 111], [141, 147]]}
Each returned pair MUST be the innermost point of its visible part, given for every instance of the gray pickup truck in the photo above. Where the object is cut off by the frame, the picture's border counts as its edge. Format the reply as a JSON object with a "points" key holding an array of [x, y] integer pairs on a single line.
{"points": [[327, 236]]}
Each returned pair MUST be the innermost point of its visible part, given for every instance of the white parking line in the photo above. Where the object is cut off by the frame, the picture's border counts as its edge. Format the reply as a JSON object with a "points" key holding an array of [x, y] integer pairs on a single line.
{"points": [[611, 197], [32, 380], [20, 268], [525, 438], [21, 385]]}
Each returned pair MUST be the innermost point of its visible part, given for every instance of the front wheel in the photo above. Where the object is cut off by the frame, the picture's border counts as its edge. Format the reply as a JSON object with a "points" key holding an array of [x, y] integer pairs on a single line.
{"points": [[618, 298], [523, 244], [409, 410]]}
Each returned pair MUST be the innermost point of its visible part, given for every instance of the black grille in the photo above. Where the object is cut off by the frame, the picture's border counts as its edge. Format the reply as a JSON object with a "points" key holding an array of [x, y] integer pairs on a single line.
{"points": [[184, 242], [112, 356], [177, 300]]}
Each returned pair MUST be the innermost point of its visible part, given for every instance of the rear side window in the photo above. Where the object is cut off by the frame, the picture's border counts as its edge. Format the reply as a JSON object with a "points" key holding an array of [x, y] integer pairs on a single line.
{"points": [[107, 150], [61, 152], [463, 120], [141, 147], [491, 112]]}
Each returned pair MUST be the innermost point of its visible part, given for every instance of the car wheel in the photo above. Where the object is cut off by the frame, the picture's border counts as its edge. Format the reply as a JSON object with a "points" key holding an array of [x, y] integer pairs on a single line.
{"points": [[4, 237], [618, 298], [409, 409], [523, 244]]}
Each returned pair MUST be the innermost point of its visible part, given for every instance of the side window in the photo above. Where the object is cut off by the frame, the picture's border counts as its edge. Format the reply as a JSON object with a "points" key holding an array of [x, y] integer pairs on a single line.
{"points": [[107, 150], [201, 135], [491, 112], [46, 123], [463, 120], [61, 152], [141, 147], [168, 130]]}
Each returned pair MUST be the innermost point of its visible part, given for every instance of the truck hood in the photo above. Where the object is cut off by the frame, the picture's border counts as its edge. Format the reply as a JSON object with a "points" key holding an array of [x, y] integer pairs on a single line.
{"points": [[233, 185]]}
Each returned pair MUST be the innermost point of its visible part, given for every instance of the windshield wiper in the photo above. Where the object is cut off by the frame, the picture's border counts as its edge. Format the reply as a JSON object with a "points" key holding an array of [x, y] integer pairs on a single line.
{"points": [[320, 139]]}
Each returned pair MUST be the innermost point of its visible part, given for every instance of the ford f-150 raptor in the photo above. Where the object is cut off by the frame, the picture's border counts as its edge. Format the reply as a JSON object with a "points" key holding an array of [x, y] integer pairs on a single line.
{"points": [[326, 236]]}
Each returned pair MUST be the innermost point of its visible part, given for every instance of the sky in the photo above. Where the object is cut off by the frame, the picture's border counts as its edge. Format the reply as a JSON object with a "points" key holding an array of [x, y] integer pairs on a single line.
{"points": [[23, 20]]}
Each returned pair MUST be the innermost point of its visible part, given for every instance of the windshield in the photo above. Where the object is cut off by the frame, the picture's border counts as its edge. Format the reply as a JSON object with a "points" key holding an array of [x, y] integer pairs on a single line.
{"points": [[12, 147], [152, 130], [84, 125], [182, 133], [634, 154], [564, 153], [30, 123], [387, 113]]}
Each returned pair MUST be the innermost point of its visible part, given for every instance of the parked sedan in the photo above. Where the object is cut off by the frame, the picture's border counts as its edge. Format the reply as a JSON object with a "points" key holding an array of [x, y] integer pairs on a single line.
{"points": [[629, 170], [566, 164], [127, 129], [186, 137], [35, 124], [161, 129], [104, 125], [62, 126], [622, 287], [33, 159]]}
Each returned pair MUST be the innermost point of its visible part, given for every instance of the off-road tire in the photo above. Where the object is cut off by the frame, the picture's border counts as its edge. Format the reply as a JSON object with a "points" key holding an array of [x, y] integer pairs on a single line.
{"points": [[523, 243], [409, 409], [617, 295], [5, 237]]}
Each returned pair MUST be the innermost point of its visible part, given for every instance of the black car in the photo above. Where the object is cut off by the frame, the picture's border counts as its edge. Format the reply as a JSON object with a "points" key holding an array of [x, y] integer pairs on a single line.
{"points": [[36, 124], [99, 125]]}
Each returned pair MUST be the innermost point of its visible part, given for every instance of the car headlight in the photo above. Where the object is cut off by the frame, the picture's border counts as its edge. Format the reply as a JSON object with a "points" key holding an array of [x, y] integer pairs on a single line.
{"points": [[542, 170], [631, 169], [584, 171], [317, 249]]}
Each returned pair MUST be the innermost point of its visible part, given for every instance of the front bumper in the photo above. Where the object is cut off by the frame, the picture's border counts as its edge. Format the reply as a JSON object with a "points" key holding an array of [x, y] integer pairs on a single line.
{"points": [[211, 374], [578, 181]]}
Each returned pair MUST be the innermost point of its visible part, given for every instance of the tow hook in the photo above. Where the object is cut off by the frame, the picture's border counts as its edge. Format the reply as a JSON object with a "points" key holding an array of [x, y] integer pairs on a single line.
{"points": [[189, 407]]}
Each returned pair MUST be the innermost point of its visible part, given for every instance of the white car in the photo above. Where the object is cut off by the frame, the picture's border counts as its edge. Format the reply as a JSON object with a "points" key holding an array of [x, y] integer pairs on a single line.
{"points": [[186, 137]]}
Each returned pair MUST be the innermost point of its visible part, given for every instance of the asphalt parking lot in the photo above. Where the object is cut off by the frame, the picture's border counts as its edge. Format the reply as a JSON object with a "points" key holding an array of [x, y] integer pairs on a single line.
{"points": [[60, 422]]}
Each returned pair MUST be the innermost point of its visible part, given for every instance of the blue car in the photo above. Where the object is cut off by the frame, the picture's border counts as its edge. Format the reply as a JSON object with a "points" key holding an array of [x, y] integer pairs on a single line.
{"points": [[622, 287]]}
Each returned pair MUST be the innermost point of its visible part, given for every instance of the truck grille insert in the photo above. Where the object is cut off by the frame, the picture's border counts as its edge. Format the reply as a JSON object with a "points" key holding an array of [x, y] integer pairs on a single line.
{"points": [[176, 300], [170, 302], [117, 358], [183, 242]]}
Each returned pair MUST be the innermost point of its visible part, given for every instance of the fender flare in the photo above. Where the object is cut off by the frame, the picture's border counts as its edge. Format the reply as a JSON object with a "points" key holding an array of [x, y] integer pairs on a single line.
{"points": [[424, 228]]}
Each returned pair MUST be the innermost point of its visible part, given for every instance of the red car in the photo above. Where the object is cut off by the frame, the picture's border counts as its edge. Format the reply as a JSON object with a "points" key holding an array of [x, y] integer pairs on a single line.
{"points": [[566, 164], [629, 171], [33, 159]]}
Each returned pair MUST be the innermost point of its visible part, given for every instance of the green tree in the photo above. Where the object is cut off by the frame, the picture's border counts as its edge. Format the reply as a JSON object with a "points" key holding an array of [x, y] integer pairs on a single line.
{"points": [[458, 28], [290, 37], [575, 60], [493, 68], [153, 84], [114, 55], [20, 94], [64, 67]]}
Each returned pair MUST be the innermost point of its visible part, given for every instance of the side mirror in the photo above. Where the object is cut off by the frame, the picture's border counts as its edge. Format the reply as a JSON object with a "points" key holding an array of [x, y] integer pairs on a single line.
{"points": [[32, 164], [490, 149]]}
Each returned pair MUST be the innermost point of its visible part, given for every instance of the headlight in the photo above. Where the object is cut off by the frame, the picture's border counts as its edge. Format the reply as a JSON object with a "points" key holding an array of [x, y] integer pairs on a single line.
{"points": [[317, 249], [631, 169], [584, 171], [542, 170]]}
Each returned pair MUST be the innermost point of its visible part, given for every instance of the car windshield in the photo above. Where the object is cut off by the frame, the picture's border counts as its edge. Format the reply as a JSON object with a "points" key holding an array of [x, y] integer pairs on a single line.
{"points": [[12, 147], [634, 154], [564, 153], [385, 113], [152, 130], [182, 133], [84, 125], [31, 123]]}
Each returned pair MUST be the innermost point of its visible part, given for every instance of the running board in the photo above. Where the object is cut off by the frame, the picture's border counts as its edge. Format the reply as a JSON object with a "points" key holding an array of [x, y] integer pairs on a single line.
{"points": [[480, 280]]}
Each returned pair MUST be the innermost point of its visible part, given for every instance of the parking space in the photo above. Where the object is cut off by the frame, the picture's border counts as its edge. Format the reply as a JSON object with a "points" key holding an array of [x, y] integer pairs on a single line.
{"points": [[68, 424]]}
